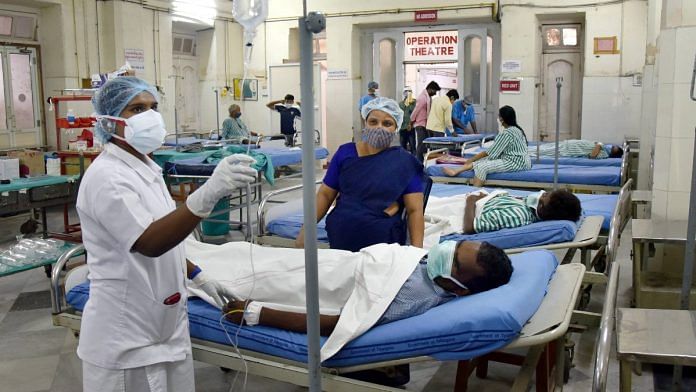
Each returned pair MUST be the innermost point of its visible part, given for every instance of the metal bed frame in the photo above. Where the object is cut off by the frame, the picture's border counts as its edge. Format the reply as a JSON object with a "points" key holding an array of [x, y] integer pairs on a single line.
{"points": [[625, 171], [549, 324], [449, 146]]}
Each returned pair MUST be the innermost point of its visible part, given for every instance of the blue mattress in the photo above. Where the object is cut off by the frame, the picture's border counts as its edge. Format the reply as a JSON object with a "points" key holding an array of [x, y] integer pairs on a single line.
{"points": [[279, 157], [461, 329], [536, 234], [561, 160], [567, 174], [591, 204], [458, 139]]}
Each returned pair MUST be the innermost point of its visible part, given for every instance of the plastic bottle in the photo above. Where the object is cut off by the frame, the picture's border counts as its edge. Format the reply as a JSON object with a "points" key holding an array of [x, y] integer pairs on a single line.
{"points": [[249, 14], [71, 117]]}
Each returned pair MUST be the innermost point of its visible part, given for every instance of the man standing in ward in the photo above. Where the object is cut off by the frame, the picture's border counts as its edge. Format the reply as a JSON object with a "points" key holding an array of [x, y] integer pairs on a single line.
{"points": [[419, 116]]}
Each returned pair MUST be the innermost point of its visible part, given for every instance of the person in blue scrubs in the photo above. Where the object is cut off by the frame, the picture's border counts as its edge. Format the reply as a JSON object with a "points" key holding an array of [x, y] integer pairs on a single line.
{"points": [[372, 185], [372, 88], [463, 114]]}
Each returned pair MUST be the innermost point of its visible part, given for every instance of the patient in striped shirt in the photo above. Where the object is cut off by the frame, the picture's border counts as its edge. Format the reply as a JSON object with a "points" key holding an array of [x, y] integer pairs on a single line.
{"points": [[505, 211]]}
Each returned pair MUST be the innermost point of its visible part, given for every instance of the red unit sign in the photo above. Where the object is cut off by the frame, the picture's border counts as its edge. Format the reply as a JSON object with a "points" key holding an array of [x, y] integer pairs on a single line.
{"points": [[425, 16], [510, 86]]}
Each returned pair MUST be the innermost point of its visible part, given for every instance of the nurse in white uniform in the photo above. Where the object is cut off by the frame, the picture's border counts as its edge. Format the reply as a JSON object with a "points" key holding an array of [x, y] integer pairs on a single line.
{"points": [[135, 334]]}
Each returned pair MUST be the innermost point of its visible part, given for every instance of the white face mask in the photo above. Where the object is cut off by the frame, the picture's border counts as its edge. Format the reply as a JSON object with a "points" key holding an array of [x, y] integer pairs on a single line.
{"points": [[145, 131], [532, 201]]}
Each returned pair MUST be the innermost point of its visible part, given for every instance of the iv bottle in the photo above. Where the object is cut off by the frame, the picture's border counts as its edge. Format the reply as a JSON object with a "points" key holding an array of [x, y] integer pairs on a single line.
{"points": [[249, 14], [71, 117]]}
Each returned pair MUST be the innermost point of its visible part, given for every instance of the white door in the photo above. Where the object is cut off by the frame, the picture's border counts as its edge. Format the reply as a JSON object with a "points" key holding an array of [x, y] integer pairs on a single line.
{"points": [[388, 59], [186, 92], [474, 59], [566, 68], [20, 116]]}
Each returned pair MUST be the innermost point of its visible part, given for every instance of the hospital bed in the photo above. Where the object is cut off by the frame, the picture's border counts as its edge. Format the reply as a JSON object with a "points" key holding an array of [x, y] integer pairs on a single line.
{"points": [[206, 144], [279, 225], [617, 162], [517, 315]]}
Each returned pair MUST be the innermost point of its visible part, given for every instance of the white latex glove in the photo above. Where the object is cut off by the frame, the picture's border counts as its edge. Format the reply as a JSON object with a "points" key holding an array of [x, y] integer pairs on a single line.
{"points": [[230, 174], [219, 293]]}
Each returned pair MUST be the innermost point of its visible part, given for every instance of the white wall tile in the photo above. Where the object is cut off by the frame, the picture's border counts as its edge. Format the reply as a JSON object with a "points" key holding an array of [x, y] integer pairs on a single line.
{"points": [[665, 57], [681, 159], [663, 148], [677, 205], [665, 98], [659, 204], [683, 112], [684, 53]]}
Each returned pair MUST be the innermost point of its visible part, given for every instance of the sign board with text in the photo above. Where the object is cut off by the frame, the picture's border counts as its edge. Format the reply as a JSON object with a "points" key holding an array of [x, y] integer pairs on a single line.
{"points": [[431, 46], [425, 16], [510, 86]]}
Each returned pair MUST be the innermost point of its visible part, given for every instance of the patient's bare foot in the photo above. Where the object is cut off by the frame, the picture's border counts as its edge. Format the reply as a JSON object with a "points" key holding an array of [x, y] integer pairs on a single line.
{"points": [[450, 172]]}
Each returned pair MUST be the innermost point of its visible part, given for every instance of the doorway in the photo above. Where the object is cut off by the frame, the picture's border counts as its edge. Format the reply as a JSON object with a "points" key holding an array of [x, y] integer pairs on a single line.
{"points": [[186, 92], [456, 58], [20, 116], [561, 62]]}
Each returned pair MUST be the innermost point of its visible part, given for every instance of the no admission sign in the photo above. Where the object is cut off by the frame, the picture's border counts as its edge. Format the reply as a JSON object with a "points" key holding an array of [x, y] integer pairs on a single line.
{"points": [[431, 46]]}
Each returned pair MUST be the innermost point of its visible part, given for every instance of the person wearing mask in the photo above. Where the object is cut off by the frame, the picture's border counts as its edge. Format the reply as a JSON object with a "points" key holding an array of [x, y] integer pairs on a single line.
{"points": [[507, 154], [233, 128], [134, 333], [419, 117], [463, 114], [289, 110], [407, 135], [372, 89], [370, 194], [440, 117]]}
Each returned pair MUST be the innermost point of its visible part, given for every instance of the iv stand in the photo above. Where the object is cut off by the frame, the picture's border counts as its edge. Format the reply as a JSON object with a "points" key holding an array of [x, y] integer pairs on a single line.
{"points": [[309, 24], [176, 114], [690, 251], [559, 84], [217, 111]]}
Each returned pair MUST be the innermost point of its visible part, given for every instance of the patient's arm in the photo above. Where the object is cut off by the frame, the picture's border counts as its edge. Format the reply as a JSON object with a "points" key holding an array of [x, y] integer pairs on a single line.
{"points": [[290, 321], [595, 151], [470, 212]]}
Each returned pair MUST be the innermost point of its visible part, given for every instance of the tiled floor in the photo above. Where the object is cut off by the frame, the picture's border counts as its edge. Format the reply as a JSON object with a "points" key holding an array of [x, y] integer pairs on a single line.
{"points": [[35, 356]]}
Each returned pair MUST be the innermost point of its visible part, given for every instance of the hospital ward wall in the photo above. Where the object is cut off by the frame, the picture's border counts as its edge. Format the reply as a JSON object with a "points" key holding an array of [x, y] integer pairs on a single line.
{"points": [[676, 112], [610, 104]]}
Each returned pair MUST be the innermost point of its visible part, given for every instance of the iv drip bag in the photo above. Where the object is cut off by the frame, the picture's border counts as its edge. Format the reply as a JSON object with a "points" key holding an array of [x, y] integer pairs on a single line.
{"points": [[249, 14]]}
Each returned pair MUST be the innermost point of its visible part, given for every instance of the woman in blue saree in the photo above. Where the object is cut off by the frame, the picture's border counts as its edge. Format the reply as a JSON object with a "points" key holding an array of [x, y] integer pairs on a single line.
{"points": [[372, 184]]}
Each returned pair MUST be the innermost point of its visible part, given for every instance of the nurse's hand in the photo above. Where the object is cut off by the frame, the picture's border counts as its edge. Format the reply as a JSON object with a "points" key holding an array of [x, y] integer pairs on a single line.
{"points": [[230, 174], [219, 293]]}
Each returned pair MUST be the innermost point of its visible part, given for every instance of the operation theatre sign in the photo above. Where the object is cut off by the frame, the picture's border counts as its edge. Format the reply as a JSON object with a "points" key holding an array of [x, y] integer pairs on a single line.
{"points": [[431, 46]]}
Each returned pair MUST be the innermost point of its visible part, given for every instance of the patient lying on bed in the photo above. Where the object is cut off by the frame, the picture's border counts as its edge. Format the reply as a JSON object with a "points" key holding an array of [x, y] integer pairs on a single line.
{"points": [[450, 269], [479, 212], [575, 148], [504, 211]]}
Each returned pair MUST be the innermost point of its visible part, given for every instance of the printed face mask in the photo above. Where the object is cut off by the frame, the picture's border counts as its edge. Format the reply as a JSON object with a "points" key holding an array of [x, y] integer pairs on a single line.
{"points": [[145, 131], [378, 137], [440, 260]]}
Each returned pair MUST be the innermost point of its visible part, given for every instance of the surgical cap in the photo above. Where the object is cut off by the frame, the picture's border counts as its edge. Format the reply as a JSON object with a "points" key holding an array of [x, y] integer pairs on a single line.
{"points": [[113, 97], [386, 105]]}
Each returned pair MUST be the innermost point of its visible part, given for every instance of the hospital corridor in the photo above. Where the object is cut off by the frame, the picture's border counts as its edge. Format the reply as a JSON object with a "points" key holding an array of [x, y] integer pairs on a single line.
{"points": [[321, 195]]}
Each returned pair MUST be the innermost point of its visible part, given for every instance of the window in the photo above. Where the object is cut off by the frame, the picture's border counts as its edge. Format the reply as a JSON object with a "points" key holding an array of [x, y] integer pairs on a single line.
{"points": [[184, 44], [18, 26], [318, 44], [561, 36]]}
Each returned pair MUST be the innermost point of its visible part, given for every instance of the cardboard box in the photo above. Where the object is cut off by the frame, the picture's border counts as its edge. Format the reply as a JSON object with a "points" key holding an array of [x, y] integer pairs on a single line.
{"points": [[9, 168], [32, 161]]}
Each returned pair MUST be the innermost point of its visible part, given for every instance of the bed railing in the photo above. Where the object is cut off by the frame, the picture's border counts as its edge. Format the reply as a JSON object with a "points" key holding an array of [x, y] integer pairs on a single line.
{"points": [[56, 299], [625, 159], [261, 213], [606, 332]]}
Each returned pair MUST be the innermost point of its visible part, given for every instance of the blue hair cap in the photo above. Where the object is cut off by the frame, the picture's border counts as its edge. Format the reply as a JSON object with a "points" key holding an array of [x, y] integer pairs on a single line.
{"points": [[114, 95]]}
